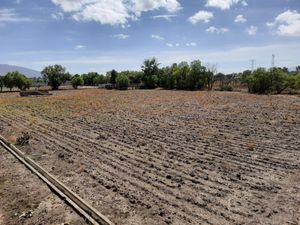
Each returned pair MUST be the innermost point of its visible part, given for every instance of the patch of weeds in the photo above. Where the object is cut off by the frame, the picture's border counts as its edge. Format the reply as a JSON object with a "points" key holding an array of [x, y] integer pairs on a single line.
{"points": [[23, 139]]}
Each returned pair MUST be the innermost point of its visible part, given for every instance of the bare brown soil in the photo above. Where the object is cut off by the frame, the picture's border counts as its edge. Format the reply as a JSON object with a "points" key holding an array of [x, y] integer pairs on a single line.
{"points": [[26, 200], [168, 157]]}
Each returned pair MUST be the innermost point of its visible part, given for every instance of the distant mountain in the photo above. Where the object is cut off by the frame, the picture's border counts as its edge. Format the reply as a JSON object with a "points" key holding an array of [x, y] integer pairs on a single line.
{"points": [[5, 68]]}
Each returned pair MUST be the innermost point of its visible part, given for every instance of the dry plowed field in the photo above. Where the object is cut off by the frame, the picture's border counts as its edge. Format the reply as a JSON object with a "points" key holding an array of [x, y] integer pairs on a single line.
{"points": [[168, 157]]}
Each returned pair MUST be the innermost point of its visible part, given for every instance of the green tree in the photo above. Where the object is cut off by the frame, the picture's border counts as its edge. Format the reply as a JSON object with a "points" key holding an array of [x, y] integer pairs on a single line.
{"points": [[151, 71], [77, 81], [296, 84], [55, 76], [8, 81], [274, 80], [89, 78], [99, 79], [195, 79], [168, 77], [122, 82], [181, 75], [21, 81], [1, 83], [135, 77], [113, 76]]}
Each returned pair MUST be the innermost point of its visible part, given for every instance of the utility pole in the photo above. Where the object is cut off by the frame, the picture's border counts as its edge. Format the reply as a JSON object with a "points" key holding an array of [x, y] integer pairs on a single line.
{"points": [[273, 61], [252, 65]]}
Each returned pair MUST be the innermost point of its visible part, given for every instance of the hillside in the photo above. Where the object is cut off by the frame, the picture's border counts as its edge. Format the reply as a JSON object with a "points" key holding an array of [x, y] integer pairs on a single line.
{"points": [[5, 68]]}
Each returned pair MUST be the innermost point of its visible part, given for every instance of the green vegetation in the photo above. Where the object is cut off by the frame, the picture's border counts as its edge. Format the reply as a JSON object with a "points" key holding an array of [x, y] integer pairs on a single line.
{"points": [[77, 81], [275, 80], [1, 83], [89, 78], [182, 76], [150, 76], [99, 79], [23, 139], [55, 76], [122, 82], [112, 76], [15, 79]]}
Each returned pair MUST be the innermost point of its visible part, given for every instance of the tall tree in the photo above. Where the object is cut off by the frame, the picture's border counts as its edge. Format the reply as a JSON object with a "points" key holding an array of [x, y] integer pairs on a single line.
{"points": [[113, 76], [195, 78], [55, 75], [89, 78], [8, 81], [181, 75], [150, 69], [210, 71]]}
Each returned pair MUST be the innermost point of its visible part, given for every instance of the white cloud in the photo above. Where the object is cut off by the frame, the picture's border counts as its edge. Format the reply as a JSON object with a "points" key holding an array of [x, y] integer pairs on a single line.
{"points": [[113, 12], [213, 29], [244, 3], [10, 15], [191, 44], [252, 30], [70, 5], [270, 24], [157, 37], [166, 17], [172, 45], [224, 4], [204, 16], [78, 47], [287, 24], [57, 16], [240, 19], [148, 5], [120, 36]]}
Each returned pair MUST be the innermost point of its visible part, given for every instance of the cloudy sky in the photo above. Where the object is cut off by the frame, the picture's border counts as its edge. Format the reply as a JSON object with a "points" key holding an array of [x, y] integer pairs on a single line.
{"points": [[99, 35]]}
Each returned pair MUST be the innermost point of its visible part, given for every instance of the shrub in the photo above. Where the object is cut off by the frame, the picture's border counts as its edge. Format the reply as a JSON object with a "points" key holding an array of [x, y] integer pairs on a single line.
{"points": [[77, 81], [272, 81], [225, 86], [23, 139], [122, 82], [89, 79], [295, 81], [99, 79]]}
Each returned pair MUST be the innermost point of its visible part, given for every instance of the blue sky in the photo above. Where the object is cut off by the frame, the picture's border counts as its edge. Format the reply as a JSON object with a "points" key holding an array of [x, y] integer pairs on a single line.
{"points": [[100, 35]]}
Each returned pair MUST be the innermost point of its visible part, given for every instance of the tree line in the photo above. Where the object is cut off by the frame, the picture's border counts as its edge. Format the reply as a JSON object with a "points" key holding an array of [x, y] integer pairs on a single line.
{"points": [[262, 81], [15, 80], [181, 76]]}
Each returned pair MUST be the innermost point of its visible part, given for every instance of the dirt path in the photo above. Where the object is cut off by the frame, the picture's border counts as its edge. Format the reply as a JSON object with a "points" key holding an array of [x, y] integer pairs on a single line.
{"points": [[26, 200]]}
